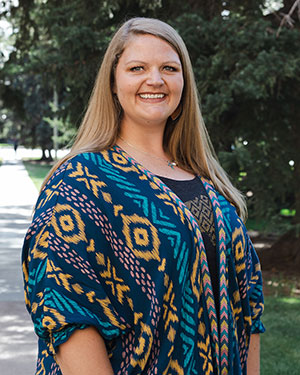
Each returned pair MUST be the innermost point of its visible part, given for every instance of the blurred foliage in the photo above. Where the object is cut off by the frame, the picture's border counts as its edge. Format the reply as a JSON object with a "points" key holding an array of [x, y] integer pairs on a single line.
{"points": [[248, 80], [247, 76]]}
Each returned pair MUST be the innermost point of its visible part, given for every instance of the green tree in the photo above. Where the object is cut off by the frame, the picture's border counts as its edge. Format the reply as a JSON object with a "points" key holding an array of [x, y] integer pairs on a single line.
{"points": [[245, 75], [246, 64], [248, 79]]}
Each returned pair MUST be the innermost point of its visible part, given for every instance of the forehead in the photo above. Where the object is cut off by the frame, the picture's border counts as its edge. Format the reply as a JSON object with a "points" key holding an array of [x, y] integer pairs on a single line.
{"points": [[147, 46]]}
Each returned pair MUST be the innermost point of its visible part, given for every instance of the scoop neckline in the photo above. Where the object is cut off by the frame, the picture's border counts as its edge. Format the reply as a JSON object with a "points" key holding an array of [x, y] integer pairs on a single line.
{"points": [[116, 146], [174, 180]]}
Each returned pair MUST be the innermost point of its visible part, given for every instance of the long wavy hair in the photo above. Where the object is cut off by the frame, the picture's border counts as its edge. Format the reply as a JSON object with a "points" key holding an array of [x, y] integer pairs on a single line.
{"points": [[186, 139]]}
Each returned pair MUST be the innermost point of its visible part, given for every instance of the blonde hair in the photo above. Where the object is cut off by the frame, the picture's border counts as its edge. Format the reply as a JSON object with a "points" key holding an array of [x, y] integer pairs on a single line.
{"points": [[185, 139]]}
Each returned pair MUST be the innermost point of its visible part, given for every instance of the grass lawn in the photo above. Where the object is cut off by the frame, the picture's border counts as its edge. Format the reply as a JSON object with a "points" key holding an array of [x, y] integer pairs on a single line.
{"points": [[280, 344], [37, 171]]}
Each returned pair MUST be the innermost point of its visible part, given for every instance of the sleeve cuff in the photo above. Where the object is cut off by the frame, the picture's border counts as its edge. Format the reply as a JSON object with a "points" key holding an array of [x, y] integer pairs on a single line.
{"points": [[62, 336], [257, 327]]}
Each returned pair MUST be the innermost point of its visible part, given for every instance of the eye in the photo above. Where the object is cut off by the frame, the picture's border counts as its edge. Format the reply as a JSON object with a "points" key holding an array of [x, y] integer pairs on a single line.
{"points": [[136, 69], [170, 68]]}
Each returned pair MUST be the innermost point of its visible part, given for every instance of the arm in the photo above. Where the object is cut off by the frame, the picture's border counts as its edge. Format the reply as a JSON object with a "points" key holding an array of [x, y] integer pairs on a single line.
{"points": [[256, 302], [84, 353], [253, 363]]}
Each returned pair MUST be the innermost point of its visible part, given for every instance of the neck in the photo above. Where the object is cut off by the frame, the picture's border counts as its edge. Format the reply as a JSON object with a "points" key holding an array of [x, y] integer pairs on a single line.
{"points": [[148, 139], [146, 155]]}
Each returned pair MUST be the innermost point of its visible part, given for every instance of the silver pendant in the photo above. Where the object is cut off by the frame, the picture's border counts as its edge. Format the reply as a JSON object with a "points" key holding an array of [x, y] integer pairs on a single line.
{"points": [[172, 164]]}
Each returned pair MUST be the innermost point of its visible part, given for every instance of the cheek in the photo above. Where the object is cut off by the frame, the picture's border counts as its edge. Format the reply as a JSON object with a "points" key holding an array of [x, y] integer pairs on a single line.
{"points": [[177, 85], [181, 84], [125, 88], [179, 89]]}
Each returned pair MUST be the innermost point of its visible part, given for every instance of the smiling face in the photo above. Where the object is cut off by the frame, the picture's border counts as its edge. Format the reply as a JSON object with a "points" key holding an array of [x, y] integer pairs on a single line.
{"points": [[148, 81]]}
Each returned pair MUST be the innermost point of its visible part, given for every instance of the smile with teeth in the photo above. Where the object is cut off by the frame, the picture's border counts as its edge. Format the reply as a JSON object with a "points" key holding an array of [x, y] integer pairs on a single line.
{"points": [[151, 96]]}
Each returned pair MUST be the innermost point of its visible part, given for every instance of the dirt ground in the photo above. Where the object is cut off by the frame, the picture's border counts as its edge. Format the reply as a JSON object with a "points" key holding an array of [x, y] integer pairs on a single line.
{"points": [[280, 278]]}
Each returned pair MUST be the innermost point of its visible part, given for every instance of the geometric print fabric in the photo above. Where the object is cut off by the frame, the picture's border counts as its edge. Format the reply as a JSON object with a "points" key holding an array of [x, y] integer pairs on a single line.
{"points": [[201, 209], [111, 246]]}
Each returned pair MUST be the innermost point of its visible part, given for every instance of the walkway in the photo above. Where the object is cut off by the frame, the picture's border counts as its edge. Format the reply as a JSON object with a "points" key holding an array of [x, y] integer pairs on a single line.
{"points": [[18, 343]]}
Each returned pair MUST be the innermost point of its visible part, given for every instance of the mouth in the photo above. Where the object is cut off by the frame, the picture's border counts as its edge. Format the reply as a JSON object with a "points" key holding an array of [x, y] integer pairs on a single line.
{"points": [[152, 96]]}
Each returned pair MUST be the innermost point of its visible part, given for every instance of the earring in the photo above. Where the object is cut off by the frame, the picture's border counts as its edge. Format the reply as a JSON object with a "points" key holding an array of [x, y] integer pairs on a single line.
{"points": [[177, 113]]}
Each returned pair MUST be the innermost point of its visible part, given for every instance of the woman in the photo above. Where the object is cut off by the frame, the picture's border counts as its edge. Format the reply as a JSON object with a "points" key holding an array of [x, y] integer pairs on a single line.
{"points": [[121, 276]]}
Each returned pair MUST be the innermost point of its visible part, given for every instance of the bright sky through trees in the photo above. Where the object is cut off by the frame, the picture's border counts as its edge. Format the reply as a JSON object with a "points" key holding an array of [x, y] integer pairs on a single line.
{"points": [[6, 29]]}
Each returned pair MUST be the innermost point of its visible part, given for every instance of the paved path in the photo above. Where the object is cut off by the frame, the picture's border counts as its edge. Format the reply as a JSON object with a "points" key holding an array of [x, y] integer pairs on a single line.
{"points": [[18, 343]]}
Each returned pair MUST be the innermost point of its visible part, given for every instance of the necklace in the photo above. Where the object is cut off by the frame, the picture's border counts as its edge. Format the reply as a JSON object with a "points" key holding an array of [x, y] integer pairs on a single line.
{"points": [[171, 164]]}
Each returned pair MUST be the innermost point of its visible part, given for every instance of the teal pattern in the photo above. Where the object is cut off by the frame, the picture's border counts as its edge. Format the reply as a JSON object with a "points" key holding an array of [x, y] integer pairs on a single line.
{"points": [[111, 246]]}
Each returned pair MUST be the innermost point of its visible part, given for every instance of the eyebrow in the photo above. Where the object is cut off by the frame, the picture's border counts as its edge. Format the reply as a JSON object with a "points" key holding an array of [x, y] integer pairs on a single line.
{"points": [[143, 62]]}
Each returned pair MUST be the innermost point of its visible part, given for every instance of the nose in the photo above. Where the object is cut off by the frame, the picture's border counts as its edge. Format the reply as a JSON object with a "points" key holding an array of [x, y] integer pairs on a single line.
{"points": [[155, 78]]}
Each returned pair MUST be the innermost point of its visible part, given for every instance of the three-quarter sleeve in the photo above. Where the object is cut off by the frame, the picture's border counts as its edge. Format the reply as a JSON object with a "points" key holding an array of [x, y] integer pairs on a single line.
{"points": [[63, 253]]}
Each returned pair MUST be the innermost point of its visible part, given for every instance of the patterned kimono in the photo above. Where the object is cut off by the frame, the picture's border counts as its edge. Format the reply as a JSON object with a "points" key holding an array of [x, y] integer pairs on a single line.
{"points": [[111, 246]]}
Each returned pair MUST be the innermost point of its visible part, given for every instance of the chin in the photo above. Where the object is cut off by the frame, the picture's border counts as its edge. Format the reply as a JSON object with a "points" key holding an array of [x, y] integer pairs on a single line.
{"points": [[156, 118], [154, 121]]}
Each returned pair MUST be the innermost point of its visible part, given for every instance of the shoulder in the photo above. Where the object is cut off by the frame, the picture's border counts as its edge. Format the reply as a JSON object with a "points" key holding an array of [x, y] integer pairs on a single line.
{"points": [[77, 192], [74, 174], [92, 160], [78, 165]]}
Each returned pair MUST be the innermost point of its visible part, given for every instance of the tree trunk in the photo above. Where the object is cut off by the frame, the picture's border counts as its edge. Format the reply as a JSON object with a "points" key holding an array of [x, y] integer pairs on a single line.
{"points": [[50, 158], [44, 157]]}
